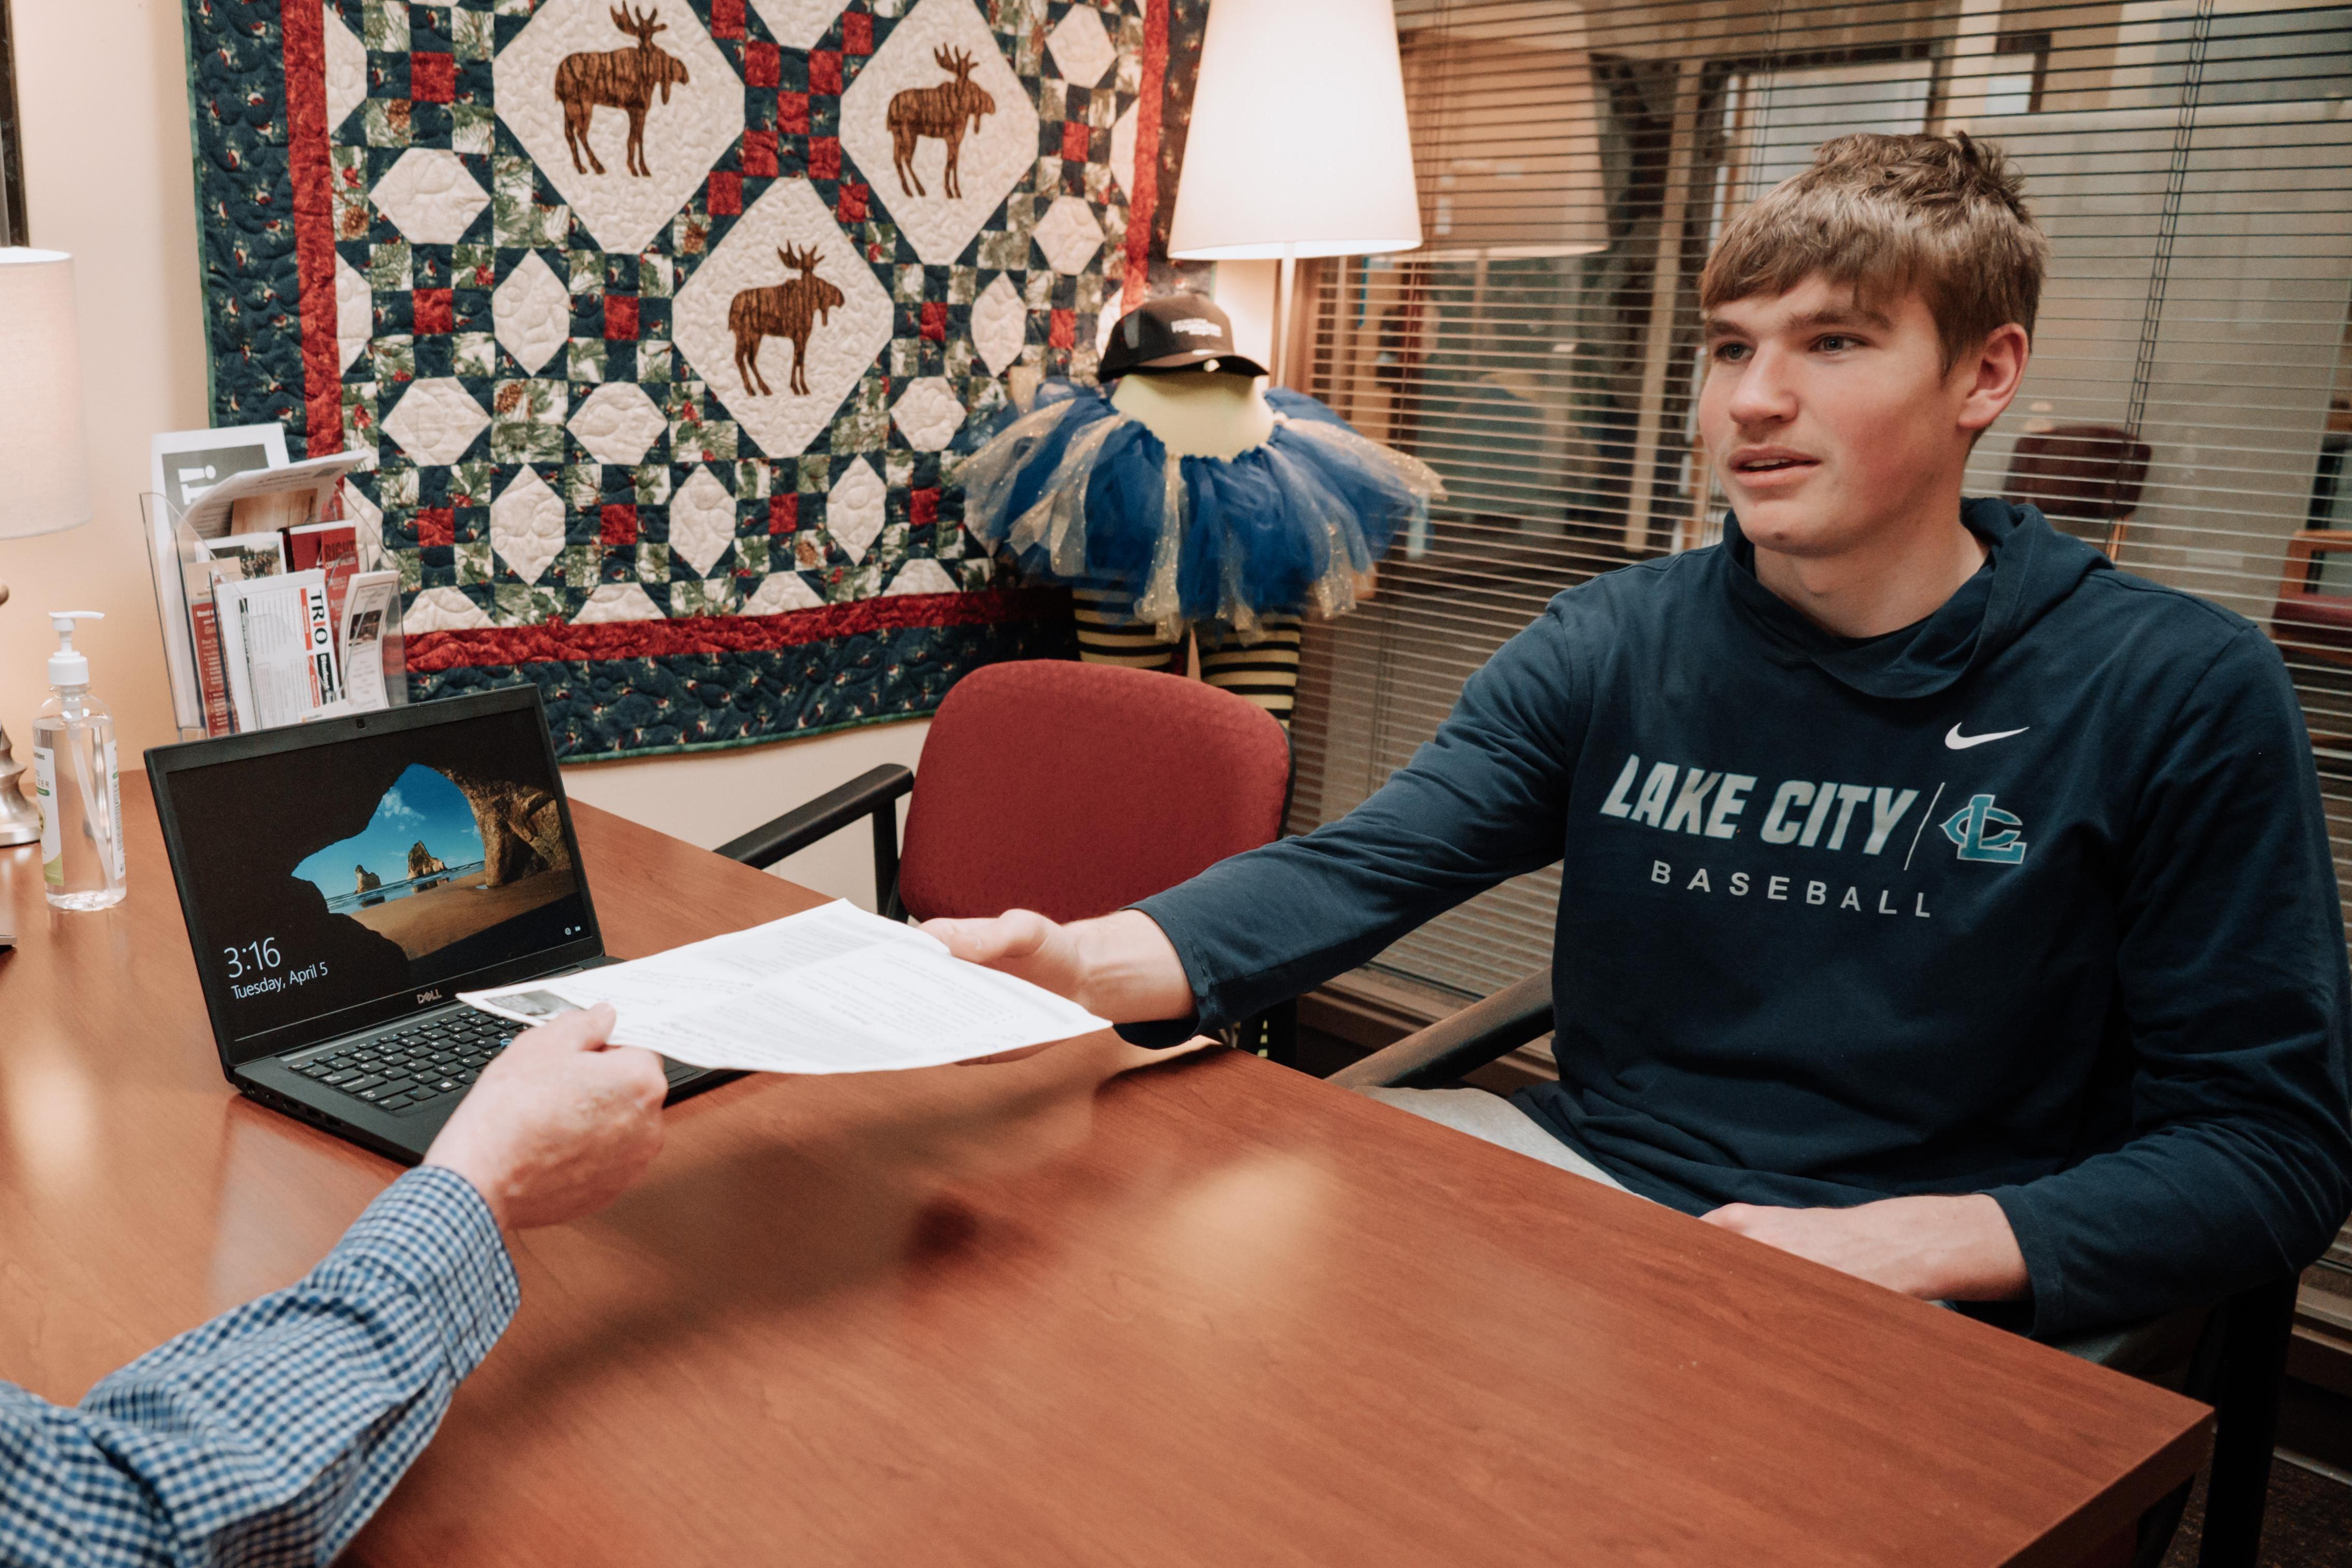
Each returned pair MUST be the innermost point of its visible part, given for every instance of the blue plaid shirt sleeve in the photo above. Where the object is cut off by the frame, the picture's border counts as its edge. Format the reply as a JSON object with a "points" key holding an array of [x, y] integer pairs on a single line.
{"points": [[268, 1434]]}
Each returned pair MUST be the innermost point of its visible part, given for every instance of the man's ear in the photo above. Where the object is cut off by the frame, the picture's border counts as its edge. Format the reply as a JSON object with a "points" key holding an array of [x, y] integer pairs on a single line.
{"points": [[1990, 377]]}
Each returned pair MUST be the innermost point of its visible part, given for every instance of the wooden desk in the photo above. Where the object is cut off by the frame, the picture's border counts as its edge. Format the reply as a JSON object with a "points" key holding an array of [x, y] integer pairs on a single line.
{"points": [[1218, 1314]]}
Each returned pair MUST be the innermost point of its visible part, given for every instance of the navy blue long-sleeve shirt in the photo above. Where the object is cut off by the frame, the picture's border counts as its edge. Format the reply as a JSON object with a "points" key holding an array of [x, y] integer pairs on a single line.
{"points": [[2034, 899]]}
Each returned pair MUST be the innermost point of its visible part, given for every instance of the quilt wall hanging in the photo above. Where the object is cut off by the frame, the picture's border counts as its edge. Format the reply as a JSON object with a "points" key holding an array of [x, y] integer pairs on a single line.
{"points": [[668, 324]]}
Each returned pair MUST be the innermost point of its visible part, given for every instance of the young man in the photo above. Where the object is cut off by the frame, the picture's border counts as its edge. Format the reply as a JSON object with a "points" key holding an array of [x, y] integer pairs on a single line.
{"points": [[271, 1433], [1938, 902]]}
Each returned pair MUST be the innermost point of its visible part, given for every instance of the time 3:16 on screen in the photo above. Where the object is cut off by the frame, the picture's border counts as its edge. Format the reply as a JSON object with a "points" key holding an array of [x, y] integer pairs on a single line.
{"points": [[258, 958]]}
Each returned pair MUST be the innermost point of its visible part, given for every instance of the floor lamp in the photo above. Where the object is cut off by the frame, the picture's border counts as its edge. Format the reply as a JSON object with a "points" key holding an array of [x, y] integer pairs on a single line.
{"points": [[44, 465], [1297, 146]]}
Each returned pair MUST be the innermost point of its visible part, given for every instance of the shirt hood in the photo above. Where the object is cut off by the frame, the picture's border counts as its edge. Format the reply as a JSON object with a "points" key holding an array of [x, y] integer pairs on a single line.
{"points": [[2030, 567]]}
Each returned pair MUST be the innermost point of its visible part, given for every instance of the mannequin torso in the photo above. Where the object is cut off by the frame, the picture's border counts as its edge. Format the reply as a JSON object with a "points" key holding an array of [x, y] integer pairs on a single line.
{"points": [[1198, 415]]}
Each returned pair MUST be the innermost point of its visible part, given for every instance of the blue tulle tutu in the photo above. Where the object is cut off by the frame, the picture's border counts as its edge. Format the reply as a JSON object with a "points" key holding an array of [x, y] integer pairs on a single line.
{"points": [[1082, 493]]}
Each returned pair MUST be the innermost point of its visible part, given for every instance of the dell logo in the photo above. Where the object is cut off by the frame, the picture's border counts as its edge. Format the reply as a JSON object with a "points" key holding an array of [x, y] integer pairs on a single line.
{"points": [[425, 996]]}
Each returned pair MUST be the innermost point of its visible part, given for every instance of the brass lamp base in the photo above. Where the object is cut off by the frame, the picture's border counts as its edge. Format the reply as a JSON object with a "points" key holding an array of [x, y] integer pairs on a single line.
{"points": [[20, 819]]}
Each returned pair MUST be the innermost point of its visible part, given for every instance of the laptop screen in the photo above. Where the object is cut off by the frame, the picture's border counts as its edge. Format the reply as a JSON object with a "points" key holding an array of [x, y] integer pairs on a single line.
{"points": [[339, 873]]}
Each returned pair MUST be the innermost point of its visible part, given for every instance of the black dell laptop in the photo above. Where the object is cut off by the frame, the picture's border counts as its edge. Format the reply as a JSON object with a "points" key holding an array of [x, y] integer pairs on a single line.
{"points": [[344, 880]]}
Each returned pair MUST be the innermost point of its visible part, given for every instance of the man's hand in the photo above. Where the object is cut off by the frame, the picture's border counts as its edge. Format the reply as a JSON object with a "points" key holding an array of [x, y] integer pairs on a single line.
{"points": [[1938, 1249], [558, 1124], [1022, 943], [1121, 967]]}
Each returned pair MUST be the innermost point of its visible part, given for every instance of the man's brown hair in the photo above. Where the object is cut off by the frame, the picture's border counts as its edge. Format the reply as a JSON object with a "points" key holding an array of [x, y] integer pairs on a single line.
{"points": [[1886, 215]]}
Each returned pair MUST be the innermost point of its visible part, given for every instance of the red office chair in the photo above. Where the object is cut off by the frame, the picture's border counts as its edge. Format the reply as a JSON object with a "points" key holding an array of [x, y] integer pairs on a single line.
{"points": [[1072, 790]]}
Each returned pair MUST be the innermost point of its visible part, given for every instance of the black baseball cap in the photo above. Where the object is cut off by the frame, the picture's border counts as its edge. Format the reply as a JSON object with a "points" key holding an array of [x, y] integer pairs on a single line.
{"points": [[1174, 333]]}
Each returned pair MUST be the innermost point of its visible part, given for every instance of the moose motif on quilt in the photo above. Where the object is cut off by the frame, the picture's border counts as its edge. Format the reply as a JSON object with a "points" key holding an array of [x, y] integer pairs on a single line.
{"points": [[941, 111], [792, 309], [625, 79]]}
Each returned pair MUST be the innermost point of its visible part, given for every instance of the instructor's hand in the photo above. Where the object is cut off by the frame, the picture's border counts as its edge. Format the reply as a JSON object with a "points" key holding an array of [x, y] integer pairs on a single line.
{"points": [[1121, 967], [559, 1125]]}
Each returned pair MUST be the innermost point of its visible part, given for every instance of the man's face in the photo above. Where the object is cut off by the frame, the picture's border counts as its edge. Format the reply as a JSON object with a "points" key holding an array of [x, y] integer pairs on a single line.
{"points": [[1828, 420]]}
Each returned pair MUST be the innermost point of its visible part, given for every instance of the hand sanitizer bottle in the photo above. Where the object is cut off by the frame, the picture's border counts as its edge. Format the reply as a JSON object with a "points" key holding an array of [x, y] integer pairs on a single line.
{"points": [[74, 779]]}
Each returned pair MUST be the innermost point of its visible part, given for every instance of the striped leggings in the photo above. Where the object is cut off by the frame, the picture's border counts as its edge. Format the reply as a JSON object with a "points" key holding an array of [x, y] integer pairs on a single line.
{"points": [[1265, 671]]}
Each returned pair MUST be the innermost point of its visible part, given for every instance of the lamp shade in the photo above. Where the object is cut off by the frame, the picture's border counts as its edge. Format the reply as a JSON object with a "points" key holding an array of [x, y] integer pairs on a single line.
{"points": [[44, 465], [1297, 144]]}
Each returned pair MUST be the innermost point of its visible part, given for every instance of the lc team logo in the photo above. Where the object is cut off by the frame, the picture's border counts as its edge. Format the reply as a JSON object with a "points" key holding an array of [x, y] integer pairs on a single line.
{"points": [[1983, 832]]}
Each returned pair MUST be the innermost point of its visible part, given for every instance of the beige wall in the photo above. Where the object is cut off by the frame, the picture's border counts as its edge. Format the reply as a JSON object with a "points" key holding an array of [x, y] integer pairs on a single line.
{"points": [[108, 178]]}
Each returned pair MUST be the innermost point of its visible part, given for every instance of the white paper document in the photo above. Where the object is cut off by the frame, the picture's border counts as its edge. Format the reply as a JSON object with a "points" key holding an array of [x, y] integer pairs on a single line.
{"points": [[262, 499], [832, 991]]}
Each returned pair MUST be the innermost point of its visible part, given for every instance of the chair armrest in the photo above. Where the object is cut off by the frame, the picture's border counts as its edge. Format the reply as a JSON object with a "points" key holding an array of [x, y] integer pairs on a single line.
{"points": [[1452, 1046], [874, 793]]}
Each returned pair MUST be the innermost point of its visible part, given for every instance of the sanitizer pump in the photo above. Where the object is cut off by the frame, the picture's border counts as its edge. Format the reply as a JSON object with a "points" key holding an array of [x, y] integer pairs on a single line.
{"points": [[75, 781]]}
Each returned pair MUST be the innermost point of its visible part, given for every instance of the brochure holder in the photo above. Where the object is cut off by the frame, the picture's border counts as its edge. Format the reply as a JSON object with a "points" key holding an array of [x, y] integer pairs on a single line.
{"points": [[172, 550]]}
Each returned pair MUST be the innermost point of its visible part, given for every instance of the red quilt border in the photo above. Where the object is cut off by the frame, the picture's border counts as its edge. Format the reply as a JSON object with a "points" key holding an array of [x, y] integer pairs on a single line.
{"points": [[1136, 285], [302, 34], [561, 641]]}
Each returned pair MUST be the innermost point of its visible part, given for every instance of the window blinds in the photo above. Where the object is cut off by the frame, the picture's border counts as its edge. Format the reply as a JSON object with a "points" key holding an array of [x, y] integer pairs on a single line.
{"points": [[2186, 409]]}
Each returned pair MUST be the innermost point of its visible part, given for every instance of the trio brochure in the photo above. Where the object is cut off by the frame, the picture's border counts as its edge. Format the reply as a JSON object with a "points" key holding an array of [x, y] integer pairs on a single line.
{"points": [[832, 989]]}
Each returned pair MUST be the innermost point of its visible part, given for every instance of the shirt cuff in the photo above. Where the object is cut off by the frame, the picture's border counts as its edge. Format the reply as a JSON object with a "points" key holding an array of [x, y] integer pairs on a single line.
{"points": [[2046, 1307], [434, 1233], [1158, 1034]]}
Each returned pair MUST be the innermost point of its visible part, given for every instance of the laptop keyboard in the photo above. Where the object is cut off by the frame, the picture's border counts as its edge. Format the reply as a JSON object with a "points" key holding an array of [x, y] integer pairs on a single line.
{"points": [[410, 1069]]}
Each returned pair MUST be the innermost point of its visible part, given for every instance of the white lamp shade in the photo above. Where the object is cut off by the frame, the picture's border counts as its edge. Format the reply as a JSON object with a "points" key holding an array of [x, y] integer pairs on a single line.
{"points": [[1298, 144], [44, 464]]}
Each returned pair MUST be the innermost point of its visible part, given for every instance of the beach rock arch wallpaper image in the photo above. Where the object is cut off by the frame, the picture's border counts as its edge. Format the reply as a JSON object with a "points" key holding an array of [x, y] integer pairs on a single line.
{"points": [[445, 857]]}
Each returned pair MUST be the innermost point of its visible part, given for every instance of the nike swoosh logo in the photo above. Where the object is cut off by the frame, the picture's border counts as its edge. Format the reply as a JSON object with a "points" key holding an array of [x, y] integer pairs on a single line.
{"points": [[1959, 742]]}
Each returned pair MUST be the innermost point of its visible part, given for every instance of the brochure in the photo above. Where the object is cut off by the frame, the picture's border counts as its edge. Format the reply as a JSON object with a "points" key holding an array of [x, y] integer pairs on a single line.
{"points": [[206, 667], [188, 462], [334, 549], [266, 499], [279, 647], [368, 611], [244, 557]]}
